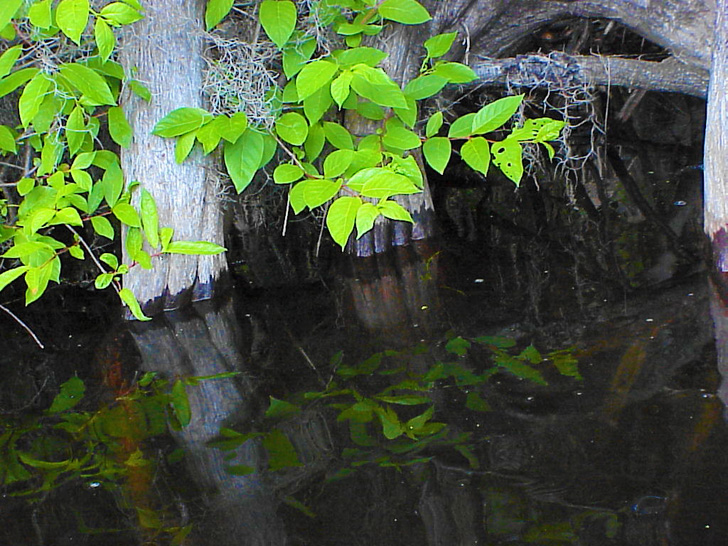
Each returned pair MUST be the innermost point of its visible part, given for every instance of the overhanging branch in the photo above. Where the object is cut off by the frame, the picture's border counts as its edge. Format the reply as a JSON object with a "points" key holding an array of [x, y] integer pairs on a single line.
{"points": [[559, 70]]}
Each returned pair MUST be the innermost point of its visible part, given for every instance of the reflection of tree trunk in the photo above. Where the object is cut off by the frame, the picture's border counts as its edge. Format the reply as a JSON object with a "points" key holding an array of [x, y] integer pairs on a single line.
{"points": [[395, 293], [242, 508]]}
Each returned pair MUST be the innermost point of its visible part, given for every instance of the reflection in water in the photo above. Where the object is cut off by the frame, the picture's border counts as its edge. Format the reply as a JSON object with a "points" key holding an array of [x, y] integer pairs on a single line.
{"points": [[635, 453], [238, 509]]}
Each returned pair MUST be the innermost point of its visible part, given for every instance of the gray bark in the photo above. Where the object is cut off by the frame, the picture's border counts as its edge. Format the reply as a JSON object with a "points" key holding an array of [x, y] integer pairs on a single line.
{"points": [[164, 51], [559, 70]]}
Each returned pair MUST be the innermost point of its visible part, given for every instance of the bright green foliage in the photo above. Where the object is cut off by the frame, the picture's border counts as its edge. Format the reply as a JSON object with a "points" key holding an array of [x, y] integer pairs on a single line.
{"points": [[73, 182], [357, 176]]}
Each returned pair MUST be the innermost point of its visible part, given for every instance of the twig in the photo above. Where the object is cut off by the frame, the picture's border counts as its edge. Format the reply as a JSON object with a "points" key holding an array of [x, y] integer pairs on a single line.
{"points": [[25, 326], [93, 256]]}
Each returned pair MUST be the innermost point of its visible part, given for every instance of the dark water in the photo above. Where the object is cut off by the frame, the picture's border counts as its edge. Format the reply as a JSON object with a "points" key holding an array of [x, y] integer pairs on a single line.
{"points": [[623, 443]]}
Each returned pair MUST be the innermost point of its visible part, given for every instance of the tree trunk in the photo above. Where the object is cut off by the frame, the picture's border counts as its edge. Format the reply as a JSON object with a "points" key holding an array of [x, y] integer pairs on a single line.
{"points": [[164, 51], [716, 187]]}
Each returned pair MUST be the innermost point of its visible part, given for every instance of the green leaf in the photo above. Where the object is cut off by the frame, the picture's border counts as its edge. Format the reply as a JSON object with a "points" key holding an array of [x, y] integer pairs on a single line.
{"points": [[119, 127], [374, 84], [408, 12], [210, 134], [9, 57], [316, 192], [236, 126], [341, 87], [278, 19], [128, 297], [462, 127], [126, 214], [37, 279], [314, 76], [492, 116], [150, 219], [181, 403], [394, 211], [458, 346], [181, 121], [425, 86], [140, 90], [433, 124], [216, 11], [292, 127], [72, 392], [439, 45], [359, 55], [404, 399], [103, 280], [118, 13], [72, 17], [507, 157], [243, 158], [338, 136], [6, 277], [184, 145], [337, 162], [365, 218], [110, 259], [32, 97], [105, 39], [75, 130], [279, 409], [194, 248], [8, 8], [341, 217], [437, 153], [281, 453], [24, 186], [296, 56], [103, 227], [385, 183], [315, 141], [287, 173], [401, 138], [113, 184], [295, 197], [68, 216], [7, 140], [11, 82], [91, 85], [455, 72], [316, 105], [476, 153]]}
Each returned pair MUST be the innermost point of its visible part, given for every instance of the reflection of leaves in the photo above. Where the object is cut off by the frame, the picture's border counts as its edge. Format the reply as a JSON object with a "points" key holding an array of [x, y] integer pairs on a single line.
{"points": [[71, 394], [281, 453]]}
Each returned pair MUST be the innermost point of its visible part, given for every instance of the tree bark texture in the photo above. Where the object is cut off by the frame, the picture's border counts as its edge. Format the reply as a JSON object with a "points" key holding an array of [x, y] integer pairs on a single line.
{"points": [[559, 71], [164, 51]]}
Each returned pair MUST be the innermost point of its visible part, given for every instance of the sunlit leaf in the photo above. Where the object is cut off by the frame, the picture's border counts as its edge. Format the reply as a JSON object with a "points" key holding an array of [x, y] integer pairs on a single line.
{"points": [[278, 19], [341, 217], [72, 17], [216, 11]]}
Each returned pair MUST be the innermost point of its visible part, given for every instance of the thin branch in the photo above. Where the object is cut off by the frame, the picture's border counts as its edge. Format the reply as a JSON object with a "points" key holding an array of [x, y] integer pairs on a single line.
{"points": [[91, 253], [25, 326]]}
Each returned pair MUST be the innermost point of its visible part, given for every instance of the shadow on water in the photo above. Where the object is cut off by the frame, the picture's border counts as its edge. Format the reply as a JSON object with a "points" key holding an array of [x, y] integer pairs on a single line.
{"points": [[197, 429]]}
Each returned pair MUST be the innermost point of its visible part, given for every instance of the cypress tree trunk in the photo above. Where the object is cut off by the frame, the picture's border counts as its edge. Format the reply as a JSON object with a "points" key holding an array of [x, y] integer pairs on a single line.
{"points": [[716, 186], [164, 52]]}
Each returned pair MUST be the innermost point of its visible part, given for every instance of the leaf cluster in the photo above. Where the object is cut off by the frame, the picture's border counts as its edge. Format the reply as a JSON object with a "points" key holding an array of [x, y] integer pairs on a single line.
{"points": [[72, 180]]}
